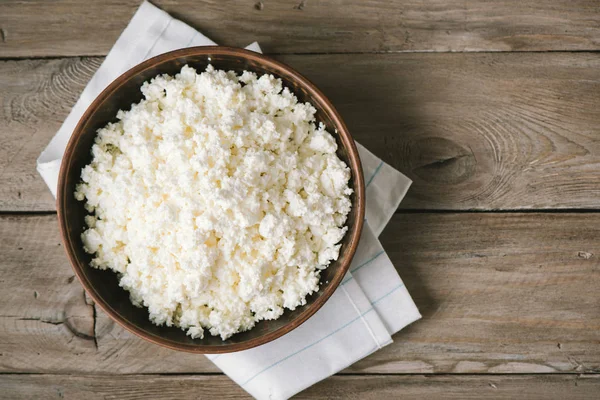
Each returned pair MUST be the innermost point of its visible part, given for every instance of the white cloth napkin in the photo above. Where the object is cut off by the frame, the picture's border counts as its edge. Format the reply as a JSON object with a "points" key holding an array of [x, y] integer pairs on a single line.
{"points": [[371, 303]]}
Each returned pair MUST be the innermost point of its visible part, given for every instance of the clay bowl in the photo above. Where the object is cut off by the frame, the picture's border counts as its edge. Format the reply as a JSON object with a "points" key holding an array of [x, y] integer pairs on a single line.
{"points": [[103, 286]]}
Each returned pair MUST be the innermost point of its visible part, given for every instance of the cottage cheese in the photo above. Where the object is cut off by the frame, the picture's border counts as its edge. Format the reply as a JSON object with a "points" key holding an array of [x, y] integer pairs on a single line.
{"points": [[216, 199]]}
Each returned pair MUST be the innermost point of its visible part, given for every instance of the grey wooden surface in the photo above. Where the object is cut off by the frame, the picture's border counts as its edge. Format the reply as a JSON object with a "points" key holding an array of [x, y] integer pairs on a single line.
{"points": [[77, 27], [499, 293], [473, 131], [492, 108]]}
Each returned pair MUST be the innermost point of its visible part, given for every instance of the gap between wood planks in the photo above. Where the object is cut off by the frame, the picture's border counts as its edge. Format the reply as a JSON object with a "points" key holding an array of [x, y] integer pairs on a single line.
{"points": [[401, 211], [325, 53], [345, 374]]}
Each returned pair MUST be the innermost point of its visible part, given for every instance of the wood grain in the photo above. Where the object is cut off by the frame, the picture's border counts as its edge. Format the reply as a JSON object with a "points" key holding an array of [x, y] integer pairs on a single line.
{"points": [[509, 300], [37, 95], [499, 293], [476, 131], [74, 28], [419, 387]]}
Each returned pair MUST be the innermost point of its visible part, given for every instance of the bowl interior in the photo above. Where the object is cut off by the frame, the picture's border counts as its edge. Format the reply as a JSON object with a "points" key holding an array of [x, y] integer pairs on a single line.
{"points": [[103, 285]]}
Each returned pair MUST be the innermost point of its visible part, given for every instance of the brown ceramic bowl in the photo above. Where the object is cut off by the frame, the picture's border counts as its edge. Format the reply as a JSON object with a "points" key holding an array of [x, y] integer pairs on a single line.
{"points": [[103, 286]]}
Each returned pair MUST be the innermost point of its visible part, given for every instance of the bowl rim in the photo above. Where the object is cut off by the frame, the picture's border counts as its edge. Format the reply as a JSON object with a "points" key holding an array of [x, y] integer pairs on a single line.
{"points": [[341, 130]]}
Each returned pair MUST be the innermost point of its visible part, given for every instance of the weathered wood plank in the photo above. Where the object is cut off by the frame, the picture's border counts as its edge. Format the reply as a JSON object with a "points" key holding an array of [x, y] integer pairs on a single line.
{"points": [[73, 28], [337, 387], [477, 131], [36, 97], [499, 293], [39, 295]]}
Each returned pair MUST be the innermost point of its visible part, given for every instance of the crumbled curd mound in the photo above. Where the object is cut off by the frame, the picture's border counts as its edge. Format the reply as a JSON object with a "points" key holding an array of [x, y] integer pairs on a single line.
{"points": [[216, 199]]}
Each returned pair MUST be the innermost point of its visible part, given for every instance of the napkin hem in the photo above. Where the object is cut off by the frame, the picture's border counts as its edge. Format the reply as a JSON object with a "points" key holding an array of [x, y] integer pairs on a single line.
{"points": [[362, 315], [390, 213]]}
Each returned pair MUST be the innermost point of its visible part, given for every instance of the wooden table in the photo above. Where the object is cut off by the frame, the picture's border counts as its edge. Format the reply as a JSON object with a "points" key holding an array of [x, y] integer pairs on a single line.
{"points": [[491, 107]]}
